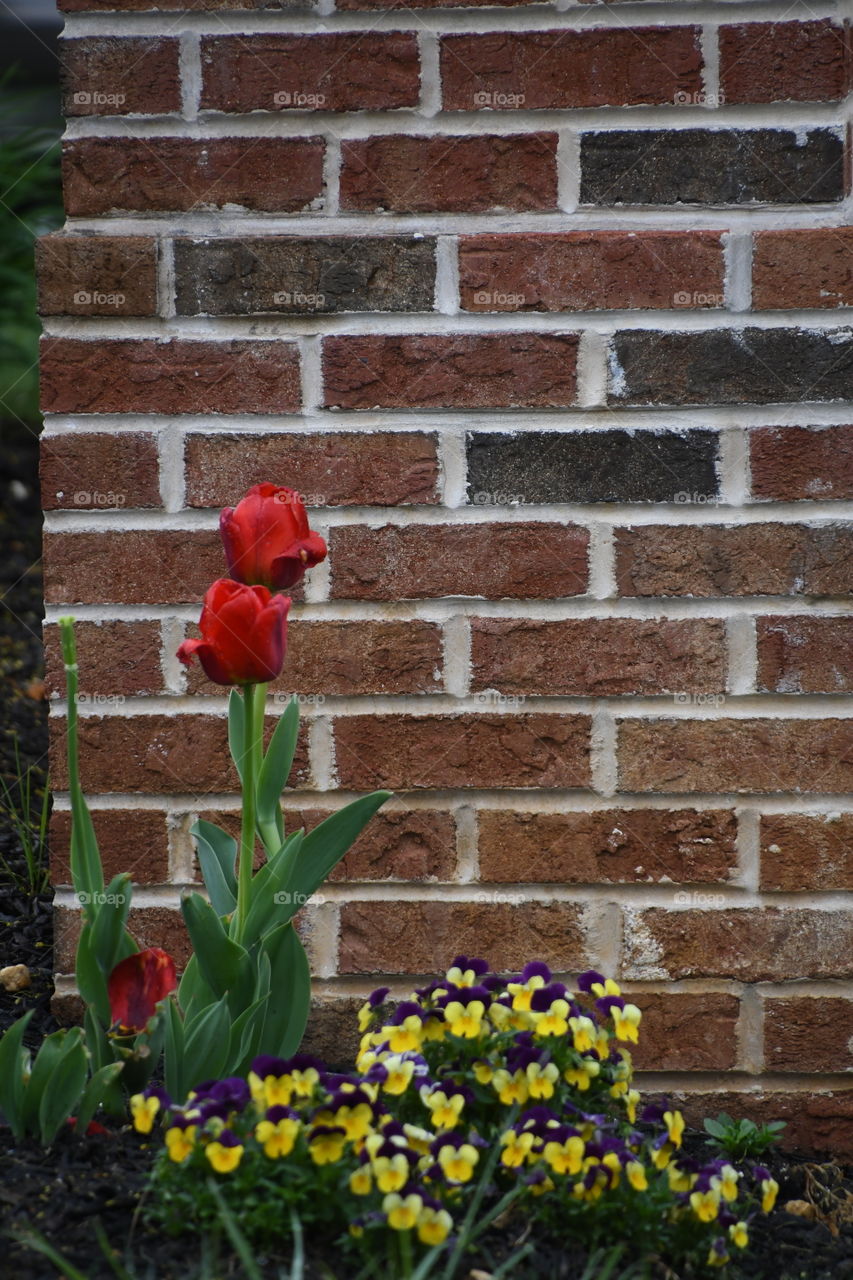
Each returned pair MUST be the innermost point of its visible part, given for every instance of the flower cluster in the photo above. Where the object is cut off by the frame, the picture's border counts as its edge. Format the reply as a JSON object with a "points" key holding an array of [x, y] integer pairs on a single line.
{"points": [[513, 1078]]}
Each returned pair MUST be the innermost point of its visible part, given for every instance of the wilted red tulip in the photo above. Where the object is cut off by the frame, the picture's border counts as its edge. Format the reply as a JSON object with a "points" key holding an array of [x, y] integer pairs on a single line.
{"points": [[137, 984], [267, 539], [243, 634]]}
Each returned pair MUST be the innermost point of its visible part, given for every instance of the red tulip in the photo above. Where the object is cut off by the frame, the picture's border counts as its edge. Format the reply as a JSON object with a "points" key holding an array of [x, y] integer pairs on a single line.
{"points": [[243, 634], [137, 984], [267, 538]]}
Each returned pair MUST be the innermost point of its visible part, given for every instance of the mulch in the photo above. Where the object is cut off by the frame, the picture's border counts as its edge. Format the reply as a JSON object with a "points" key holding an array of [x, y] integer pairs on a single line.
{"points": [[100, 1179]]}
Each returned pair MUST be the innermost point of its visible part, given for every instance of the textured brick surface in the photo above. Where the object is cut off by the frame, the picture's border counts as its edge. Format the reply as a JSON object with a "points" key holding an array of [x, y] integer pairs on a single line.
{"points": [[115, 659], [802, 268], [819, 1121], [686, 1032], [304, 275], [541, 69], [801, 851], [487, 371], [591, 466], [591, 270], [448, 173], [736, 755], [407, 937], [352, 658], [752, 944], [523, 561], [801, 462], [143, 566], [728, 560], [598, 657], [808, 1034], [357, 71], [150, 926], [112, 75], [779, 61], [750, 366], [203, 6], [805, 655], [148, 375], [98, 471], [134, 840], [723, 166], [611, 845], [97, 275], [273, 175], [529, 750], [418, 844], [382, 468]]}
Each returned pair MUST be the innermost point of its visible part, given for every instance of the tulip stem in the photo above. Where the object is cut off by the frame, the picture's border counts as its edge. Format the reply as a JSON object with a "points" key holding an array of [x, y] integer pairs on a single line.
{"points": [[253, 727]]}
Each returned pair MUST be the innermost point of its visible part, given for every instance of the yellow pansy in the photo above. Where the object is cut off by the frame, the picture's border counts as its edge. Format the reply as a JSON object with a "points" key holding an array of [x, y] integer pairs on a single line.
{"points": [[224, 1158], [510, 1088], [769, 1192], [402, 1214], [516, 1148], [626, 1022], [277, 1139], [143, 1111], [554, 1021], [636, 1175], [465, 1020], [180, 1142], [739, 1235], [361, 1181], [565, 1157], [674, 1122], [406, 1037], [458, 1163], [434, 1226], [584, 1033], [445, 1110], [328, 1147], [541, 1080], [705, 1204], [522, 992]]}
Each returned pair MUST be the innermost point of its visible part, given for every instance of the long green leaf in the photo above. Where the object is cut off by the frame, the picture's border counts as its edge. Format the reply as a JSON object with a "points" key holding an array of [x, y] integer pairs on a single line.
{"points": [[239, 1242], [277, 764], [91, 980], [290, 992], [192, 988], [217, 855], [12, 1059], [323, 848], [52, 1049], [236, 719], [173, 1052], [271, 902], [206, 1044], [220, 958], [64, 1089], [87, 873], [108, 926]]}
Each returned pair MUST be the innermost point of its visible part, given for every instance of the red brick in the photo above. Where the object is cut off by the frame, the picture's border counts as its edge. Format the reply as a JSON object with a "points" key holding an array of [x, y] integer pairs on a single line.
{"points": [[381, 468], [681, 1031], [734, 560], [462, 751], [546, 69], [588, 271], [100, 470], [808, 1034], [345, 5], [84, 275], [450, 173], [270, 175], [746, 756], [169, 6], [143, 566], [152, 375], [134, 840], [120, 75], [784, 61], [492, 371], [332, 1033], [802, 268], [802, 851], [520, 561], [357, 71], [609, 846], [752, 944], [423, 937], [353, 658], [805, 655], [598, 657], [158, 754], [114, 658], [814, 463], [817, 1121]]}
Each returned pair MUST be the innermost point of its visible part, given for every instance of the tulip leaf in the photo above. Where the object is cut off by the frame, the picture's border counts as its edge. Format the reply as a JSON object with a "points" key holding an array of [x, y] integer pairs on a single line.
{"points": [[173, 1052], [290, 991], [236, 730], [277, 764], [246, 1033], [206, 1043], [62, 1091], [91, 981], [217, 853], [324, 846], [12, 1060], [96, 1091], [87, 873], [108, 926], [220, 958], [193, 987], [269, 898]]}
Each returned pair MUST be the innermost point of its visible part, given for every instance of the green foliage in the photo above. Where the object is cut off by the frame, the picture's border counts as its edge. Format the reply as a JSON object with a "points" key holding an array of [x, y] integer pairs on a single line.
{"points": [[26, 806], [742, 1139]]}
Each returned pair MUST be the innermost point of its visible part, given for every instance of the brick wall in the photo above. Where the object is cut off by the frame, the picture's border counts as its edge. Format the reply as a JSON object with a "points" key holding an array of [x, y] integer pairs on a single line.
{"points": [[544, 308]]}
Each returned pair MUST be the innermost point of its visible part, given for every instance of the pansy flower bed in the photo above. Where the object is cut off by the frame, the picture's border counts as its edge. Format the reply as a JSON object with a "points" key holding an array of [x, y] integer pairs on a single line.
{"points": [[481, 1096]]}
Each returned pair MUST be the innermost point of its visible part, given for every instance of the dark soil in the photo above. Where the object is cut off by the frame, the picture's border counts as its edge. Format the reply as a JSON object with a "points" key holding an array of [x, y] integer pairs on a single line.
{"points": [[100, 1179]]}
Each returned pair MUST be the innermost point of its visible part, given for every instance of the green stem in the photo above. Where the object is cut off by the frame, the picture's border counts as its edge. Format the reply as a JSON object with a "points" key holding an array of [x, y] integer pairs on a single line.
{"points": [[251, 748], [268, 832], [406, 1253]]}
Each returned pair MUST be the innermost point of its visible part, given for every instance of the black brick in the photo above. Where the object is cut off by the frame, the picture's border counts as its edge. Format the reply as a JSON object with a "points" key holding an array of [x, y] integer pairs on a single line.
{"points": [[711, 166], [242, 277], [594, 466], [726, 366]]}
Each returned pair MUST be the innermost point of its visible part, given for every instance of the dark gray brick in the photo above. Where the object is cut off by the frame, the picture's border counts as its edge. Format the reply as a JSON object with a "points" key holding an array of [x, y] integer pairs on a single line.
{"points": [[301, 275], [731, 366], [590, 466], [711, 166]]}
